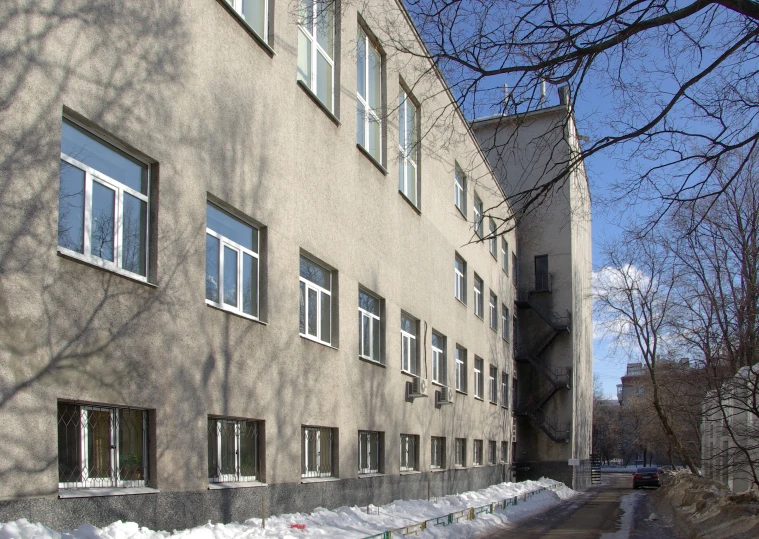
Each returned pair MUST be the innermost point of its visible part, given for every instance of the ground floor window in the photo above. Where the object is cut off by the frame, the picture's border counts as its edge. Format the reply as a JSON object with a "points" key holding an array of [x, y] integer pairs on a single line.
{"points": [[492, 450], [409, 451], [460, 452], [369, 448], [317, 458], [504, 452], [437, 460], [232, 450], [477, 453], [101, 446]]}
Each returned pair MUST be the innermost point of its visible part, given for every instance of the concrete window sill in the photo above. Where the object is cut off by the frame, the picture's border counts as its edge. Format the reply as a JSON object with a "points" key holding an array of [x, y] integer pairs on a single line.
{"points": [[97, 492], [365, 475], [306, 480], [411, 472], [232, 484]]}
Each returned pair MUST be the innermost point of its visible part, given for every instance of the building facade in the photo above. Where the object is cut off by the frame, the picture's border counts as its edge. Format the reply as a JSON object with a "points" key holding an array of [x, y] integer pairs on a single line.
{"points": [[199, 201]]}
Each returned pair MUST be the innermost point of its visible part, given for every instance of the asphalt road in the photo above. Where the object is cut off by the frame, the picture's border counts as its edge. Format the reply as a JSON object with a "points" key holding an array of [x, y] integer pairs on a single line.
{"points": [[593, 514]]}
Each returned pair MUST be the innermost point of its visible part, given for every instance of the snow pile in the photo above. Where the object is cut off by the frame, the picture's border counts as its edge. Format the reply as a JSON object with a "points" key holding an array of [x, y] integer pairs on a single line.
{"points": [[344, 522]]}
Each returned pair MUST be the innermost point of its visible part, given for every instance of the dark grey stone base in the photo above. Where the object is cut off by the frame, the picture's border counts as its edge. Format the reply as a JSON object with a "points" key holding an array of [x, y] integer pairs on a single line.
{"points": [[576, 477], [178, 510]]}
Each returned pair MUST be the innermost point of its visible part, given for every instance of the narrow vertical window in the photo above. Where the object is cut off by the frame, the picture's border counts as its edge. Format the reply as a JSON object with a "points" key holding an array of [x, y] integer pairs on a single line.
{"points": [[542, 277], [478, 300], [316, 42], [478, 217], [369, 336], [477, 453], [478, 380], [461, 368], [493, 241], [459, 273], [459, 190], [437, 458], [439, 362], [409, 330], [315, 301], [505, 256], [504, 390], [492, 450], [369, 447], [369, 101], [409, 452], [254, 13], [493, 312], [408, 148], [514, 268], [505, 322], [493, 382], [460, 454]]}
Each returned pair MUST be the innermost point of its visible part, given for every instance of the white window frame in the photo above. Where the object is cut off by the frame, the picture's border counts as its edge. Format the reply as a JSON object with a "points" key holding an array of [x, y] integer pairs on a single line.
{"points": [[479, 305], [493, 304], [364, 314], [235, 477], [240, 250], [309, 285], [372, 450], [493, 379], [505, 255], [439, 363], [493, 239], [461, 364], [306, 433], [504, 389], [371, 115], [459, 285], [407, 365], [437, 453], [505, 322], [459, 446], [478, 379], [316, 48], [478, 217], [459, 190], [92, 175], [477, 453], [408, 152], [236, 5], [114, 480], [409, 442]]}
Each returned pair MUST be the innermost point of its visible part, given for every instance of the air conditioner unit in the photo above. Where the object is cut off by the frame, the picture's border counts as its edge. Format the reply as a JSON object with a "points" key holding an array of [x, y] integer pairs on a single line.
{"points": [[444, 396], [418, 387]]}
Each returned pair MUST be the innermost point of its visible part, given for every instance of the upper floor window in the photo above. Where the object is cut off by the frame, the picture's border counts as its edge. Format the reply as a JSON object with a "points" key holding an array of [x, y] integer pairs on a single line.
{"points": [[459, 271], [514, 269], [493, 241], [100, 446], [315, 301], [459, 190], [504, 390], [461, 369], [437, 458], [369, 102], [478, 217], [409, 331], [318, 456], [369, 447], [409, 452], [369, 330], [439, 363], [542, 277], [231, 263], [102, 204], [232, 450], [460, 452], [493, 384], [505, 256], [254, 13], [408, 148], [504, 322], [316, 44], [478, 300], [493, 312], [478, 380]]}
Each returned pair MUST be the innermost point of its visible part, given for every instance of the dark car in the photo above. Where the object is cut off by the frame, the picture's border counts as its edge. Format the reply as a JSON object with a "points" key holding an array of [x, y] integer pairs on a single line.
{"points": [[646, 477]]}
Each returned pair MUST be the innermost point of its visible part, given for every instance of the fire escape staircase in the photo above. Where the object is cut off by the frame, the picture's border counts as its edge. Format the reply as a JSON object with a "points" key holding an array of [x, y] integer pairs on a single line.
{"points": [[557, 378]]}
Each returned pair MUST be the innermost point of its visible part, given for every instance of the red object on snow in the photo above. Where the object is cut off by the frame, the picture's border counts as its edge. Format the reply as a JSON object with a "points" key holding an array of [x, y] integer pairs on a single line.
{"points": [[298, 526]]}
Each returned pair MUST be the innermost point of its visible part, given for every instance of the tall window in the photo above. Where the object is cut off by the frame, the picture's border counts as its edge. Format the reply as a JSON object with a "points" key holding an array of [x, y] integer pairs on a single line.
{"points": [[514, 333], [461, 369], [478, 217], [460, 454], [409, 330], [369, 331], [369, 447], [514, 397], [437, 459], [478, 300], [409, 452], [542, 277], [477, 453], [493, 241], [493, 312], [459, 271], [514, 268], [504, 452], [315, 301], [101, 446], [478, 380], [492, 450], [493, 383], [316, 43], [369, 102], [317, 456], [408, 149], [439, 361], [254, 13], [232, 450], [459, 190], [231, 263], [504, 322], [504, 390], [102, 204], [505, 256]]}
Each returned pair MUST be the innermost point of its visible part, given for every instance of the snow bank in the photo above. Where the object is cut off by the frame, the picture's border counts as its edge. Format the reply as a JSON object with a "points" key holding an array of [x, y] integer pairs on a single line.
{"points": [[344, 522]]}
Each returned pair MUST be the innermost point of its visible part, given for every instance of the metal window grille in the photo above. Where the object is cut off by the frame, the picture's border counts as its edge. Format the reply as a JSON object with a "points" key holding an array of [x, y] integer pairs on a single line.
{"points": [[232, 450], [409, 444], [437, 460], [491, 452], [460, 452], [368, 452], [504, 452], [317, 452], [101, 446], [477, 455]]}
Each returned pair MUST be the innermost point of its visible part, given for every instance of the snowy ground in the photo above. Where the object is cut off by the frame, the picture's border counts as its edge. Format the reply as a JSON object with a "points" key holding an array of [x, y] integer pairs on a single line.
{"points": [[344, 522]]}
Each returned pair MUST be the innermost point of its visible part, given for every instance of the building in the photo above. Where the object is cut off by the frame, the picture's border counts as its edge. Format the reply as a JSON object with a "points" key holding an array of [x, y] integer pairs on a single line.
{"points": [[552, 273], [199, 200], [633, 383]]}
